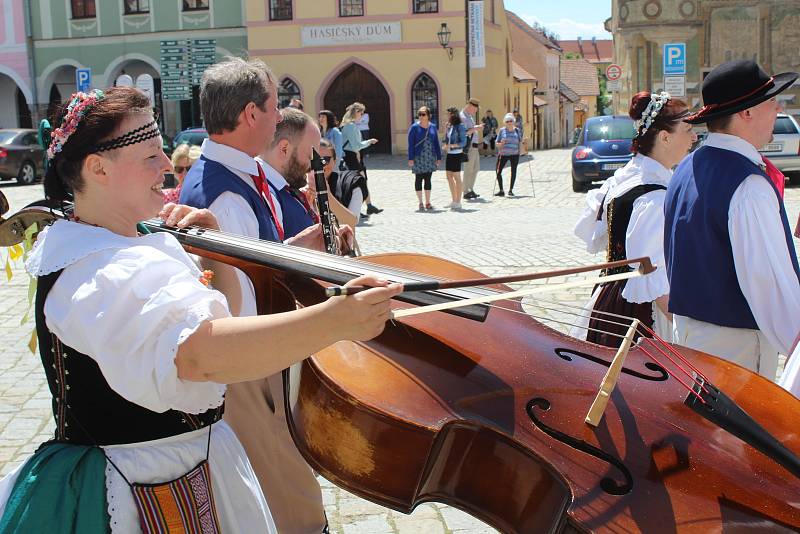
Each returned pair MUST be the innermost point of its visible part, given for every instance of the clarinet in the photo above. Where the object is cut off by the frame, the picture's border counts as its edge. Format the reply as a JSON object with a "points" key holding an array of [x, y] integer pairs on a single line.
{"points": [[326, 217]]}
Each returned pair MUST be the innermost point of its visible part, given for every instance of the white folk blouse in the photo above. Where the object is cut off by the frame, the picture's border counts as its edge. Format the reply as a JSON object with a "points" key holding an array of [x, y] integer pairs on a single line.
{"points": [[128, 303], [645, 234]]}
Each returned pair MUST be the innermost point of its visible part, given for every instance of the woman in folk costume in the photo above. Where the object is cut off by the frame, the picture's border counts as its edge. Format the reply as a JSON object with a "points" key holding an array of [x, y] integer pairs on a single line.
{"points": [[138, 349], [628, 222]]}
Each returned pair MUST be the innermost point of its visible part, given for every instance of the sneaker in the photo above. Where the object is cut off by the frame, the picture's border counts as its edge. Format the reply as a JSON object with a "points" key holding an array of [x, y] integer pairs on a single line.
{"points": [[363, 217], [510, 193], [500, 194], [372, 209], [474, 194], [468, 195]]}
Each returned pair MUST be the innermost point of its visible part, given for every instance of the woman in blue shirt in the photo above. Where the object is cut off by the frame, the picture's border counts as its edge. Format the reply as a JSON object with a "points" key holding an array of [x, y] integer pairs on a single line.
{"points": [[424, 154], [353, 144], [328, 128], [454, 143], [509, 140]]}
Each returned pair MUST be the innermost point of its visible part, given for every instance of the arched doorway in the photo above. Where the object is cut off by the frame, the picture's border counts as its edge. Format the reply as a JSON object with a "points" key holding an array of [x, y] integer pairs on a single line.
{"points": [[62, 85], [357, 84], [8, 113]]}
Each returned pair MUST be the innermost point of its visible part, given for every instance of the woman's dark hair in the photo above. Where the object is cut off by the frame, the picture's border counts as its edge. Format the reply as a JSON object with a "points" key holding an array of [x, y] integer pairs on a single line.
{"points": [[455, 117], [331, 119], [672, 114], [97, 125]]}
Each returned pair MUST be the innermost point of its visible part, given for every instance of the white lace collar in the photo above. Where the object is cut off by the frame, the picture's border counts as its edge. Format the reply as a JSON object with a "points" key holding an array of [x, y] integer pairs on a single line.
{"points": [[66, 242]]}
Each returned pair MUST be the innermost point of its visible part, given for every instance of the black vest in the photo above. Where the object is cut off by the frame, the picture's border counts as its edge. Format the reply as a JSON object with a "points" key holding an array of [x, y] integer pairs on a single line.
{"points": [[618, 217], [86, 410]]}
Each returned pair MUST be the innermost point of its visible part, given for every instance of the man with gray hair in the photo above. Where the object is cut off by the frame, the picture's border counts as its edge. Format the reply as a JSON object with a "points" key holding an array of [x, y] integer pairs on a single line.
{"points": [[474, 130], [238, 101]]}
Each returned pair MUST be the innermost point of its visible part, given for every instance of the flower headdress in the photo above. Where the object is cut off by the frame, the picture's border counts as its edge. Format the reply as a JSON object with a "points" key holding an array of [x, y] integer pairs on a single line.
{"points": [[657, 102], [79, 104]]}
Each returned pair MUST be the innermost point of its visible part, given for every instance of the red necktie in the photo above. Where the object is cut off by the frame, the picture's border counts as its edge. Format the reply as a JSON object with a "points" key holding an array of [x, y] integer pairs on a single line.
{"points": [[775, 175], [304, 201], [260, 182]]}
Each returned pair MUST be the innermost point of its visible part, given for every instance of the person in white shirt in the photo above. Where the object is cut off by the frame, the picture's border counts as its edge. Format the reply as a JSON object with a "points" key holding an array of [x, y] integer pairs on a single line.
{"points": [[239, 104], [733, 272], [138, 349], [628, 222]]}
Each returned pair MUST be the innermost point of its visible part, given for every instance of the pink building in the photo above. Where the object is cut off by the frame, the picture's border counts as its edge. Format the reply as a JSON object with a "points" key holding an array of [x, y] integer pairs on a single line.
{"points": [[16, 94]]}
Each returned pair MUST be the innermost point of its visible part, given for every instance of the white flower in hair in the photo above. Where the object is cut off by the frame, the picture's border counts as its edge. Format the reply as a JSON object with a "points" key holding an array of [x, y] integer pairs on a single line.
{"points": [[657, 102]]}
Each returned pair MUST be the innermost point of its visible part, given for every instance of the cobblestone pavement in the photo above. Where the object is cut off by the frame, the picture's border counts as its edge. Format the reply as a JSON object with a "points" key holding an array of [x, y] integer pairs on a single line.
{"points": [[494, 235]]}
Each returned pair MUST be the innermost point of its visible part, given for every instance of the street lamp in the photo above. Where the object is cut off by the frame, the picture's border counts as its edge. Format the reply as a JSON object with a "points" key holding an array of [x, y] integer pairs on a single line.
{"points": [[444, 39]]}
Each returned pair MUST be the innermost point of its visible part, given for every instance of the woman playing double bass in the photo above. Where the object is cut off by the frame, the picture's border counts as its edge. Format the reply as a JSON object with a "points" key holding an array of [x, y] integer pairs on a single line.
{"points": [[138, 349]]}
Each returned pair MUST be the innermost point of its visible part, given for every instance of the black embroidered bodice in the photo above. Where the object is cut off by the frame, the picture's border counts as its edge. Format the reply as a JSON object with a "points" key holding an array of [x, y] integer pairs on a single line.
{"points": [[86, 410], [618, 216]]}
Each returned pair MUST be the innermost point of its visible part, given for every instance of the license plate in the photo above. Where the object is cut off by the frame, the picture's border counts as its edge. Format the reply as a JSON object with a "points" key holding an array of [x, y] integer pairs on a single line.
{"points": [[773, 147], [612, 166]]}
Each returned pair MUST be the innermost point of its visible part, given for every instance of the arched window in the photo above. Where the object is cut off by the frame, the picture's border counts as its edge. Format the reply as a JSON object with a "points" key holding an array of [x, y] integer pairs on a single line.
{"points": [[287, 90], [425, 93]]}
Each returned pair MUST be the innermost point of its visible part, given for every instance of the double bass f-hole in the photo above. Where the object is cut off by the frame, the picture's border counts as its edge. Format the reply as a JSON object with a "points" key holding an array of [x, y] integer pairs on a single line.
{"points": [[607, 484], [660, 374]]}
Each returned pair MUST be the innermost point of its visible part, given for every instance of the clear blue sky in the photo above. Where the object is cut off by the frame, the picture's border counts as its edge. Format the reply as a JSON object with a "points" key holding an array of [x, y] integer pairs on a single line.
{"points": [[568, 18]]}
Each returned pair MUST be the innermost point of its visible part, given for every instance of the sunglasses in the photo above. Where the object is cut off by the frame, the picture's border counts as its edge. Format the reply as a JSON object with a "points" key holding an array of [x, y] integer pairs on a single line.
{"points": [[509, 122], [181, 170], [326, 159], [422, 114]]}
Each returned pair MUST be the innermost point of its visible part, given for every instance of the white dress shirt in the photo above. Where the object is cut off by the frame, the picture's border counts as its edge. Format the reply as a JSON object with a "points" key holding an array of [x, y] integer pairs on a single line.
{"points": [[233, 212], [278, 182], [763, 269]]}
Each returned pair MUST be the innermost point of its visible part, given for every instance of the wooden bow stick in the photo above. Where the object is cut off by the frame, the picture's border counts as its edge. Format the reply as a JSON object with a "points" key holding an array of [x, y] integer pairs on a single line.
{"points": [[645, 267], [396, 314]]}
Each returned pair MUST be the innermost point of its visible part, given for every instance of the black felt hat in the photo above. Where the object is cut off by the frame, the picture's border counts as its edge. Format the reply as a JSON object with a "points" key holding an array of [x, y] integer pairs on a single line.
{"points": [[737, 85]]}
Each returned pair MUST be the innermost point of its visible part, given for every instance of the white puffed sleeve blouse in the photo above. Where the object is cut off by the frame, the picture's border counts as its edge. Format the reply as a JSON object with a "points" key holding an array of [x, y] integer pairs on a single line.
{"points": [[128, 303]]}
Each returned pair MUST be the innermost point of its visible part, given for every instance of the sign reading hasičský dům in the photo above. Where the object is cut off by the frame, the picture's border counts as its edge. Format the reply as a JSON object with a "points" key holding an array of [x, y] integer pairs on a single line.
{"points": [[334, 34]]}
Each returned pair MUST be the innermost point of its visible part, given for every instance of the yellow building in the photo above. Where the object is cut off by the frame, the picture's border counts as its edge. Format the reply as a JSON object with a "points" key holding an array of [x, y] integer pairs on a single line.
{"points": [[384, 53]]}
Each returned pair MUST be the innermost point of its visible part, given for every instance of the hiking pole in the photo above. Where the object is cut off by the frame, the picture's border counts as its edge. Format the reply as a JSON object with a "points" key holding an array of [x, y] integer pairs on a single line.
{"points": [[530, 172]]}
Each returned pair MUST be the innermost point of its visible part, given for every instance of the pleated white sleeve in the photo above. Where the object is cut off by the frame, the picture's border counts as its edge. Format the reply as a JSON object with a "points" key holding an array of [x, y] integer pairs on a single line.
{"points": [[763, 266], [588, 228], [129, 310], [645, 237]]}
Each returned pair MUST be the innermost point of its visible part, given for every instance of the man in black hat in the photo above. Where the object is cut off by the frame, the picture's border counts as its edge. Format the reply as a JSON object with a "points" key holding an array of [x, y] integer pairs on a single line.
{"points": [[732, 267]]}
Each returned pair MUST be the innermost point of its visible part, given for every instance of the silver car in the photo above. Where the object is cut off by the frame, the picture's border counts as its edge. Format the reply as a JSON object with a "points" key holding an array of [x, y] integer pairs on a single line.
{"points": [[784, 149]]}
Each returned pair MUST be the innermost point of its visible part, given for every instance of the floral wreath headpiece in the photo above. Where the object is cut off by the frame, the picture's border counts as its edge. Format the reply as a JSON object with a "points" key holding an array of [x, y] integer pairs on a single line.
{"points": [[657, 102], [79, 104]]}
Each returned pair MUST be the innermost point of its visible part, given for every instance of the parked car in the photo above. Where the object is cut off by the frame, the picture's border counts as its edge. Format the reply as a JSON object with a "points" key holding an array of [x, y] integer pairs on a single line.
{"points": [[21, 155], [784, 149], [603, 146], [191, 136]]}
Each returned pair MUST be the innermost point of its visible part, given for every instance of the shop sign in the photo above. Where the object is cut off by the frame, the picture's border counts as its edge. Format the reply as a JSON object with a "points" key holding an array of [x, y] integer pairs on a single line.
{"points": [[351, 34]]}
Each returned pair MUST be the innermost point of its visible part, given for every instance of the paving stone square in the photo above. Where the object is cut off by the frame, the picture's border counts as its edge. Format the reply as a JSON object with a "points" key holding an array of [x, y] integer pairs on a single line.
{"points": [[529, 232]]}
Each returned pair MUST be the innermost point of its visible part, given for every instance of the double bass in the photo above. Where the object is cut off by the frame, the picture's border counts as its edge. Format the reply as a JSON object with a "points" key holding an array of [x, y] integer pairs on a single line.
{"points": [[483, 408]]}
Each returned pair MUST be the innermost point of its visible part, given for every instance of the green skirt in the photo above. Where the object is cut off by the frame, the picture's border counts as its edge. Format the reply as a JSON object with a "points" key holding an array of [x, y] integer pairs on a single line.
{"points": [[60, 489]]}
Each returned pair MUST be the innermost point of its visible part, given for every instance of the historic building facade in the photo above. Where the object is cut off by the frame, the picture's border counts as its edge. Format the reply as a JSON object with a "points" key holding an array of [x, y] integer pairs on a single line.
{"points": [[714, 31], [387, 54], [16, 89], [124, 37]]}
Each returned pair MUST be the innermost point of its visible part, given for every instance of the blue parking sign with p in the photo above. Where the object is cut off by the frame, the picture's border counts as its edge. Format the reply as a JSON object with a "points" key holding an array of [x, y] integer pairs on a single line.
{"points": [[83, 79], [674, 59]]}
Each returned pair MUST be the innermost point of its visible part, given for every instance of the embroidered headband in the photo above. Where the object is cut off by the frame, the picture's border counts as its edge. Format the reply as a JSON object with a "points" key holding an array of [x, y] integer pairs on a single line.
{"points": [[78, 107], [657, 102], [143, 133]]}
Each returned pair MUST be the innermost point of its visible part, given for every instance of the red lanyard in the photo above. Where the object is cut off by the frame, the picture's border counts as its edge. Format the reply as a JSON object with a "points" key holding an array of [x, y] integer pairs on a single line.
{"points": [[260, 182]]}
